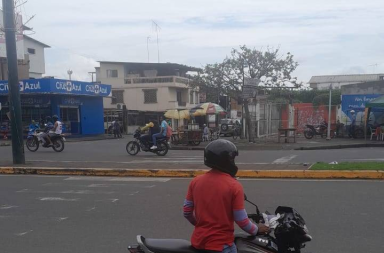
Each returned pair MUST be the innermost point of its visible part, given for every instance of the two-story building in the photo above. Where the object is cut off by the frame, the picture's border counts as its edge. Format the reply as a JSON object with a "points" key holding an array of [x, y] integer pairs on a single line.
{"points": [[337, 81], [141, 92]]}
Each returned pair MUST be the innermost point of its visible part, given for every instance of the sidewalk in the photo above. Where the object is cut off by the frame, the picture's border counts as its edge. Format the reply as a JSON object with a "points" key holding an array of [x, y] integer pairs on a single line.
{"points": [[301, 144]]}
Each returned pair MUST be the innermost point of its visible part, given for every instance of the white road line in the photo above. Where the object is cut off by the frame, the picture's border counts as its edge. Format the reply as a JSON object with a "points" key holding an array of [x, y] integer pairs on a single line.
{"points": [[114, 200], [3, 207], [85, 192], [118, 179], [56, 199], [23, 233], [23, 190], [61, 219], [284, 159], [90, 209], [134, 193]]}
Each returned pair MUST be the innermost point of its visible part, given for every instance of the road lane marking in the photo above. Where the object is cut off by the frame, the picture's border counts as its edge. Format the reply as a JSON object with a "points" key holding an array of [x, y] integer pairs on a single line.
{"points": [[23, 233], [62, 219], [85, 192], [56, 199], [118, 179], [284, 159], [23, 190], [90, 209], [114, 200], [4, 207]]}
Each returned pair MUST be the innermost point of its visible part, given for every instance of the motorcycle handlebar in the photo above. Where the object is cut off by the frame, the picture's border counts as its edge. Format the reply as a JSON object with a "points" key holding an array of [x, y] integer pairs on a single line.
{"points": [[256, 218]]}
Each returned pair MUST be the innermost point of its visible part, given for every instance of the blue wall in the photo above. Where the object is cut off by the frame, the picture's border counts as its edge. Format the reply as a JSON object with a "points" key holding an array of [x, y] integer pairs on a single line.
{"points": [[92, 115]]}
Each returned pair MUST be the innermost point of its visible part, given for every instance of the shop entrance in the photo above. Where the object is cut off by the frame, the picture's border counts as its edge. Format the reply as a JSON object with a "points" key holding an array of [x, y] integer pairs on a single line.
{"points": [[70, 118]]}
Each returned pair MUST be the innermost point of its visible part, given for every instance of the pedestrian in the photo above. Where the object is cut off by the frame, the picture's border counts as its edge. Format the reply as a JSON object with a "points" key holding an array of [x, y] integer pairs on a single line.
{"points": [[205, 133], [215, 201], [117, 130], [352, 125]]}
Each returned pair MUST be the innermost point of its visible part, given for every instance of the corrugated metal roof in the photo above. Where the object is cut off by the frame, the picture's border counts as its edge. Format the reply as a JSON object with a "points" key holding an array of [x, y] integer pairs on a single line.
{"points": [[345, 78]]}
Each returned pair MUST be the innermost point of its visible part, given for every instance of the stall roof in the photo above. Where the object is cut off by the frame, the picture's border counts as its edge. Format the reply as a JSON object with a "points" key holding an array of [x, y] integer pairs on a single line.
{"points": [[378, 102]]}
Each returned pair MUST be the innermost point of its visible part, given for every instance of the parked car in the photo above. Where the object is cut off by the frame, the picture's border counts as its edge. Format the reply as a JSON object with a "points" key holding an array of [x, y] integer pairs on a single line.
{"points": [[228, 126]]}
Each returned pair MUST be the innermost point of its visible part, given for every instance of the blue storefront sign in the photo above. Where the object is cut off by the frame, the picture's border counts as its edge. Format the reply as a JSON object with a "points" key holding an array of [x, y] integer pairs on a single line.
{"points": [[59, 86], [356, 102]]}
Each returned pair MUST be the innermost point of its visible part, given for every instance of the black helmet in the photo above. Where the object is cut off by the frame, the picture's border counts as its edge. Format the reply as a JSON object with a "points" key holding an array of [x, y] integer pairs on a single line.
{"points": [[220, 155], [55, 117]]}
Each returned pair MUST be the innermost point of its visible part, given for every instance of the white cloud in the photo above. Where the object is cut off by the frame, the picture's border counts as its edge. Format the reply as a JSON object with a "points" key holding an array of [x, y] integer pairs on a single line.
{"points": [[326, 37]]}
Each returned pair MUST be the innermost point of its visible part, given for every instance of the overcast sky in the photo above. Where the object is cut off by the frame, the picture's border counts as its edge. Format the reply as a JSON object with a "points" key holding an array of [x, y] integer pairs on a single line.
{"points": [[326, 37]]}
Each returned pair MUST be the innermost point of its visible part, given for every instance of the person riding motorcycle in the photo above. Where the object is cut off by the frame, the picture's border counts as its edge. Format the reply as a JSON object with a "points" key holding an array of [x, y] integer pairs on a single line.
{"points": [[48, 126], [56, 130], [215, 201], [152, 128]]}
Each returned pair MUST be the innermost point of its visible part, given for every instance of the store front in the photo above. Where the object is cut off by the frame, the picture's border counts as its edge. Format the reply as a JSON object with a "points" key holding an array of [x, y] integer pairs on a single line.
{"points": [[79, 105]]}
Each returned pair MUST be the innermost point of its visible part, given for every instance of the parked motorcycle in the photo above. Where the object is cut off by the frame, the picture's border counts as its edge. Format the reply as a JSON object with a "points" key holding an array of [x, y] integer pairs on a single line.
{"points": [[35, 139], [289, 230], [321, 130], [133, 147]]}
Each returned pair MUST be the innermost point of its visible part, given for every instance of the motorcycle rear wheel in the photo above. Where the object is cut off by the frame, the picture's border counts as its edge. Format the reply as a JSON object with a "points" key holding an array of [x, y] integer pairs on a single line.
{"points": [[308, 134], [132, 148], [32, 144], [58, 145], [162, 149]]}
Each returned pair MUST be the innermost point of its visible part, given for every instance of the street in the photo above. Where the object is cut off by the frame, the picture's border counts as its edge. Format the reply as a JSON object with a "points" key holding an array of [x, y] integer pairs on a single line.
{"points": [[112, 153], [44, 214]]}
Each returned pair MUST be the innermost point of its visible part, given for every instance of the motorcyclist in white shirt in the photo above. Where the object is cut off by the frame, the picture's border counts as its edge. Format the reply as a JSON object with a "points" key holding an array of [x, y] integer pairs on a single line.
{"points": [[56, 130]]}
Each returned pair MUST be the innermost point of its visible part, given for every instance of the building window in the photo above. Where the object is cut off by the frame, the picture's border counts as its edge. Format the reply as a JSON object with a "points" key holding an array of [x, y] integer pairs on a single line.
{"points": [[150, 96], [191, 97], [112, 73], [31, 51], [117, 96]]}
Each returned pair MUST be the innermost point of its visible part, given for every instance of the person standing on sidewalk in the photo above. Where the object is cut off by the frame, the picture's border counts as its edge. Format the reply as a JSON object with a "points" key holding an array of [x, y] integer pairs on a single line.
{"points": [[215, 201], [353, 124]]}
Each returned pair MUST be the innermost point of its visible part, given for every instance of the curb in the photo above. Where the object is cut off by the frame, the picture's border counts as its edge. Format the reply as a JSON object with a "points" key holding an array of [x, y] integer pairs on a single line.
{"points": [[342, 146], [295, 174]]}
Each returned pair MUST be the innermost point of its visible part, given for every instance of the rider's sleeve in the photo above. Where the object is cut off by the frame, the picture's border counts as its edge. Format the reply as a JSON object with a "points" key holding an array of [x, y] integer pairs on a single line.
{"points": [[189, 206], [242, 220], [239, 213]]}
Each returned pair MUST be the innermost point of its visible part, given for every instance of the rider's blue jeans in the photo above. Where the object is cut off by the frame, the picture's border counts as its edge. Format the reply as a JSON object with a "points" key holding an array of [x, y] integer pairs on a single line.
{"points": [[158, 135], [229, 249]]}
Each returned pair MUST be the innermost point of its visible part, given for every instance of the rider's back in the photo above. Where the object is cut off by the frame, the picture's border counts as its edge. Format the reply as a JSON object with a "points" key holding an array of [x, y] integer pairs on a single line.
{"points": [[215, 195]]}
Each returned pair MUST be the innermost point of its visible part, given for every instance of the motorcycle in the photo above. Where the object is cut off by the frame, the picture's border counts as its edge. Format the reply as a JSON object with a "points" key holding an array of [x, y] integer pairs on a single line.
{"points": [[321, 130], [289, 230], [133, 147], [35, 139]]}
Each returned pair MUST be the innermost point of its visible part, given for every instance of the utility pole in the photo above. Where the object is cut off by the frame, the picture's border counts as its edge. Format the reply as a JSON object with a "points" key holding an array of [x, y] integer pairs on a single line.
{"points": [[329, 113], [92, 73], [13, 83]]}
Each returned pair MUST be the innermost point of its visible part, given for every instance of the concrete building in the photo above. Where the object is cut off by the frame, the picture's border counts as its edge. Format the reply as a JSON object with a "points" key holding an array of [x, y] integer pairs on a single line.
{"points": [[323, 82], [34, 51], [141, 92], [30, 52]]}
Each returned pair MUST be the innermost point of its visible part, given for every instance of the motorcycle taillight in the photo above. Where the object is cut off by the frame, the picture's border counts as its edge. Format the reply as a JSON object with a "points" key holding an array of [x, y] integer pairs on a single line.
{"points": [[135, 249]]}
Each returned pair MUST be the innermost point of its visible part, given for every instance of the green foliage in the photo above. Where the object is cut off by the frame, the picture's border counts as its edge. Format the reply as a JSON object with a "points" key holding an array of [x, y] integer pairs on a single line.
{"points": [[349, 166], [323, 99]]}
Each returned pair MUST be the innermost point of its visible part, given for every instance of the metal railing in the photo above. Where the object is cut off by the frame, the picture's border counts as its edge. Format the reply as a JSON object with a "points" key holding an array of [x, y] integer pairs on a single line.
{"points": [[161, 79]]}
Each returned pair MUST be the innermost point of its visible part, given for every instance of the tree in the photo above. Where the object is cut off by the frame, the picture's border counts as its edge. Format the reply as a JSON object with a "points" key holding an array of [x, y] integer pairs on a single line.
{"points": [[268, 66]]}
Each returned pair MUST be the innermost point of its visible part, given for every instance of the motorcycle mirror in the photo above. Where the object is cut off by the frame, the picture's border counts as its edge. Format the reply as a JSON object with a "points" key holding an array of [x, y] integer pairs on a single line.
{"points": [[245, 197], [257, 208]]}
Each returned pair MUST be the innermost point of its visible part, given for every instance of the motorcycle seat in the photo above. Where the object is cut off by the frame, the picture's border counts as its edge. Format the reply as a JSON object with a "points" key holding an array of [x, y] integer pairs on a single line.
{"points": [[169, 246]]}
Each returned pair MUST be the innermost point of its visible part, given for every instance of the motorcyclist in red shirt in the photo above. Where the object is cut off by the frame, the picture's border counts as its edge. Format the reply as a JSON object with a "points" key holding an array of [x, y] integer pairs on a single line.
{"points": [[215, 201]]}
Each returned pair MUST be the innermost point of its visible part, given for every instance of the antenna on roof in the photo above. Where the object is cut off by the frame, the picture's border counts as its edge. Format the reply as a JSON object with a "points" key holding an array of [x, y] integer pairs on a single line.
{"points": [[148, 39], [374, 66], [157, 28]]}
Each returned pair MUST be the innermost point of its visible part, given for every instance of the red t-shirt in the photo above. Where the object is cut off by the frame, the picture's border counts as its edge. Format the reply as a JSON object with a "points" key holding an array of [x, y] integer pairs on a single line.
{"points": [[215, 195]]}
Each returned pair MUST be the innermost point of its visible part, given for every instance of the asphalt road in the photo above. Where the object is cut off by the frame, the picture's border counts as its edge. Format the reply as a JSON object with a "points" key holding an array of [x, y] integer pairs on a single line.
{"points": [[44, 214], [112, 153]]}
